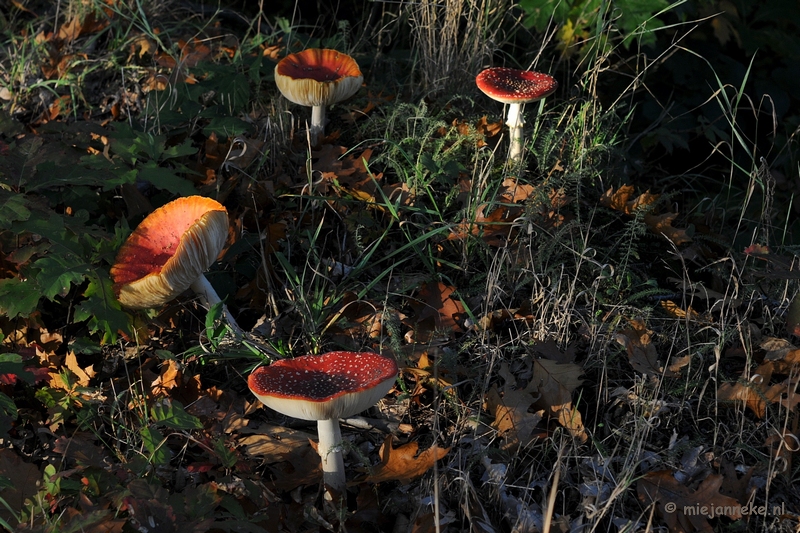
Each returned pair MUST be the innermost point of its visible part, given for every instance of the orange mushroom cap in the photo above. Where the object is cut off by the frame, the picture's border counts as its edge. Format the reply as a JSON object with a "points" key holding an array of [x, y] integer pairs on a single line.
{"points": [[318, 77], [324, 387], [169, 251]]}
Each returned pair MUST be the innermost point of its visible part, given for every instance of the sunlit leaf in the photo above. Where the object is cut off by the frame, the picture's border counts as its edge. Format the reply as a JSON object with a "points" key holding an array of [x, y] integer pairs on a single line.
{"points": [[403, 463]]}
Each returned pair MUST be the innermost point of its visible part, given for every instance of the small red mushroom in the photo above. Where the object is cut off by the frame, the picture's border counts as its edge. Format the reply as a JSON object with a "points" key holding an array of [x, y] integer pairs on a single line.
{"points": [[325, 388], [317, 78], [168, 253], [515, 87]]}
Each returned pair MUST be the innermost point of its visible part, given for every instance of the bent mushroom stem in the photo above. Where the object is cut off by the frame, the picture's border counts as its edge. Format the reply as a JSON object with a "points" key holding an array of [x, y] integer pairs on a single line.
{"points": [[515, 124], [329, 448], [203, 287]]}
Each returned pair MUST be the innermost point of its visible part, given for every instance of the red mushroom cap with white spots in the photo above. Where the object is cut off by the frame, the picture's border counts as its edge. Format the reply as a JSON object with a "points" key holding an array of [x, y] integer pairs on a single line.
{"points": [[512, 86], [324, 387]]}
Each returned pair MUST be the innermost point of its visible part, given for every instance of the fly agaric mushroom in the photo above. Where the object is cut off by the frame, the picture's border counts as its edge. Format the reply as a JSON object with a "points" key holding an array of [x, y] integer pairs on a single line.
{"points": [[515, 87], [325, 388], [168, 253], [317, 78]]}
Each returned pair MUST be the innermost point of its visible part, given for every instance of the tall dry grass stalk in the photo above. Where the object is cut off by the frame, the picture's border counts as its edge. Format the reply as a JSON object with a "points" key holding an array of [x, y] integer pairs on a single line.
{"points": [[453, 39]]}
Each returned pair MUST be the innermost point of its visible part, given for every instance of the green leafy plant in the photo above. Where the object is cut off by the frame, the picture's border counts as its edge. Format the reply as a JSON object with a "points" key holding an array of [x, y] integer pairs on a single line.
{"points": [[583, 23]]}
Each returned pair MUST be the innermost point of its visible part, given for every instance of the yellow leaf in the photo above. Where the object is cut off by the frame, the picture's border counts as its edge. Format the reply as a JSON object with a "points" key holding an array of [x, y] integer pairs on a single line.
{"points": [[83, 375], [676, 311]]}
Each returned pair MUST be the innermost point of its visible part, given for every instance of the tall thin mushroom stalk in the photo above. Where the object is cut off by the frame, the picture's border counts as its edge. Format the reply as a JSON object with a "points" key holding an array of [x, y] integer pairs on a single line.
{"points": [[515, 88], [317, 78], [325, 388]]}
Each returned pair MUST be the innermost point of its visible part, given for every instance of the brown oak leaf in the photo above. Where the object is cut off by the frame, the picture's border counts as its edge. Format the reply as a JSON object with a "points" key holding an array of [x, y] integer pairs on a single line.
{"points": [[642, 353], [685, 510], [404, 463], [620, 200], [757, 389], [555, 382], [511, 417], [663, 224], [437, 308], [738, 488]]}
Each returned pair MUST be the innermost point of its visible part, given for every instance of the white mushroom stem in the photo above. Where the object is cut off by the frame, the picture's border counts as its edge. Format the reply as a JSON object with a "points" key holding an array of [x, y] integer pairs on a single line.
{"points": [[515, 124], [317, 123], [203, 287], [330, 450]]}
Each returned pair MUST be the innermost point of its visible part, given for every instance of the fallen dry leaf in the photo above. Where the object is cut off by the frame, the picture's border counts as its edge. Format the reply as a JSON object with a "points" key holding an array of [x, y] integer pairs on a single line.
{"points": [[555, 382], [80, 449], [782, 446], [488, 129], [424, 374], [173, 382], [275, 443], [84, 375], [548, 349], [302, 467], [95, 521], [370, 514], [620, 200], [662, 224], [674, 310], [344, 172], [169, 378], [683, 509], [492, 222], [497, 222], [513, 422], [737, 488], [436, 308], [756, 390], [403, 464], [354, 317], [80, 25], [512, 191], [750, 392], [642, 353]]}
